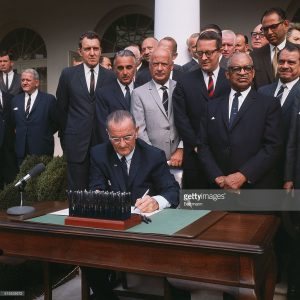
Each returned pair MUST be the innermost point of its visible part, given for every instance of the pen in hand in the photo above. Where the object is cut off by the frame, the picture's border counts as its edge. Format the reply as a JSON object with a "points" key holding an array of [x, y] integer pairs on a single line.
{"points": [[146, 193]]}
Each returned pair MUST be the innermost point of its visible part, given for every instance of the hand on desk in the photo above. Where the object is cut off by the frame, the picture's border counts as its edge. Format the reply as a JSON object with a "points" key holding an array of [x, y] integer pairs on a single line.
{"points": [[146, 204]]}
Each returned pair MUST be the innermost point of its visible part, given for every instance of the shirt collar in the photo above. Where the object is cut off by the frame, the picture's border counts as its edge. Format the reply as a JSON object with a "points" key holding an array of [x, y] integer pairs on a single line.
{"points": [[288, 84], [87, 69], [128, 157], [158, 85], [122, 86], [215, 72], [280, 46], [243, 93], [34, 94]]}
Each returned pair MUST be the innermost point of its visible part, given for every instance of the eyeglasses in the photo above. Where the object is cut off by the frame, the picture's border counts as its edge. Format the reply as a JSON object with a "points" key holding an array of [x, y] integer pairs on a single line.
{"points": [[257, 35], [207, 53], [272, 27], [238, 69], [117, 140]]}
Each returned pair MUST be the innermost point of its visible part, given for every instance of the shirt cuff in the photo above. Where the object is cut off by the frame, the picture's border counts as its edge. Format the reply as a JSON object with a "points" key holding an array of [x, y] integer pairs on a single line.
{"points": [[162, 202]]}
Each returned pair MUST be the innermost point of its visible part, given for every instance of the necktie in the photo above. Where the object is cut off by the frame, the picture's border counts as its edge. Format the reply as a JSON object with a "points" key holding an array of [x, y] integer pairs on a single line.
{"points": [[165, 98], [234, 107], [210, 87], [6, 83], [280, 93], [92, 83], [127, 96], [124, 170], [27, 110], [274, 61]]}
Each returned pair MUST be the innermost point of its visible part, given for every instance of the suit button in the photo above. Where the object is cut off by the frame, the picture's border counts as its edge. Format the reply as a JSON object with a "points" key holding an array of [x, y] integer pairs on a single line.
{"points": [[172, 141], [168, 127]]}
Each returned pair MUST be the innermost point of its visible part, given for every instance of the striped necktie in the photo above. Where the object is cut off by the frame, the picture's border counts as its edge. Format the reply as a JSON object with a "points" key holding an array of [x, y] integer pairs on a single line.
{"points": [[27, 110], [234, 107], [210, 87], [280, 93], [165, 98]]}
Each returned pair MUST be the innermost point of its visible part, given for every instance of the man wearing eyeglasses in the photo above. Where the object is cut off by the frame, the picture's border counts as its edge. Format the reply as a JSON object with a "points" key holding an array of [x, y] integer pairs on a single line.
{"points": [[258, 38], [275, 27], [192, 93], [240, 134]]}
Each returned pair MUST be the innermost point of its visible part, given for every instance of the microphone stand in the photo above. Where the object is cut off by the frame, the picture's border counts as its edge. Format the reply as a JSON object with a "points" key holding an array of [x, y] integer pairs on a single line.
{"points": [[20, 210]]}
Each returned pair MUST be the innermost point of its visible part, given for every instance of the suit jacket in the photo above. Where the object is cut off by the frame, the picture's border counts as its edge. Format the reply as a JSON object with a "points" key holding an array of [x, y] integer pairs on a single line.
{"points": [[190, 98], [155, 126], [292, 159], [250, 147], [188, 67], [108, 99], [263, 66], [77, 111], [144, 76], [36, 132], [15, 87], [148, 170]]}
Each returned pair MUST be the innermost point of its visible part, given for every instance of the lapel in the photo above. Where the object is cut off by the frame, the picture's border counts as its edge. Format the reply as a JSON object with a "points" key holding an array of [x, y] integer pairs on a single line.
{"points": [[245, 106], [170, 106], [201, 83], [35, 104], [119, 96], [135, 165], [2, 85], [13, 83], [290, 98], [154, 93], [225, 111], [82, 80], [266, 61], [221, 80], [117, 169]]}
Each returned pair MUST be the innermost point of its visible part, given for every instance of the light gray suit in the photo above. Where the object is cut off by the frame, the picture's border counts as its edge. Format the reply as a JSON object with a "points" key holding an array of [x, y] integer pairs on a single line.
{"points": [[155, 126]]}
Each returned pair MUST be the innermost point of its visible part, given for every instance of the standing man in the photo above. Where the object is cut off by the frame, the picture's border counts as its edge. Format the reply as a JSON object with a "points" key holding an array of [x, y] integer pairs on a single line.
{"points": [[8, 161], [235, 151], [9, 80], [241, 44], [258, 38], [117, 95], [76, 107], [34, 118], [153, 110], [228, 43], [191, 44], [275, 27], [190, 98]]}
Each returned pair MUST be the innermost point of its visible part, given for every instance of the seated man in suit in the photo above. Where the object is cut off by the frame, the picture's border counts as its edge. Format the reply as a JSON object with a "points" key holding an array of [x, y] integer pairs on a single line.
{"points": [[117, 95], [235, 151], [34, 118], [127, 163]]}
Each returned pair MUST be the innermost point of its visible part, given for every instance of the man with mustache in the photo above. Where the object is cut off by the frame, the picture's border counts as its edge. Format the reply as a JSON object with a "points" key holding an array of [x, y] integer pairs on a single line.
{"points": [[117, 95]]}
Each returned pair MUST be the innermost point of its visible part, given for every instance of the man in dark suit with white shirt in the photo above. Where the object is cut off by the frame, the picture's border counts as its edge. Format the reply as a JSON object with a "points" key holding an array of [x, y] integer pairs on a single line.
{"points": [[190, 98], [240, 135], [274, 26], [191, 44], [10, 81], [76, 107], [117, 95]]}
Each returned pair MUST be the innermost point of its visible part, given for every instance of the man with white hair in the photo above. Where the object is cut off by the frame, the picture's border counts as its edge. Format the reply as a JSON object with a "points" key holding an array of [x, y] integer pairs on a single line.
{"points": [[228, 43]]}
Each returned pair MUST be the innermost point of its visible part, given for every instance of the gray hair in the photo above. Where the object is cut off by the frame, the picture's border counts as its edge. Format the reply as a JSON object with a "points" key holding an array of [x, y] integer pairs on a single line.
{"points": [[125, 53], [33, 72], [119, 116], [231, 33]]}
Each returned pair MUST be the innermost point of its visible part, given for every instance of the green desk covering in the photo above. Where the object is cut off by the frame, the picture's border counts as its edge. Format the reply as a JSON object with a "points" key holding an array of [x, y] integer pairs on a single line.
{"points": [[167, 221]]}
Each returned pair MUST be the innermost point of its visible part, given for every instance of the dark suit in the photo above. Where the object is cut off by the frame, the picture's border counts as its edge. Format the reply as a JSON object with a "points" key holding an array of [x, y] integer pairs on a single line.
{"points": [[77, 120], [145, 76], [14, 88], [251, 145], [189, 100], [188, 67], [108, 99], [148, 170], [34, 135], [8, 162]]}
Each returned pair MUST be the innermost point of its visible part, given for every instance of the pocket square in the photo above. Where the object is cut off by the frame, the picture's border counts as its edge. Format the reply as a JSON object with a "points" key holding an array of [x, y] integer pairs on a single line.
{"points": [[298, 112], [212, 118], [15, 108]]}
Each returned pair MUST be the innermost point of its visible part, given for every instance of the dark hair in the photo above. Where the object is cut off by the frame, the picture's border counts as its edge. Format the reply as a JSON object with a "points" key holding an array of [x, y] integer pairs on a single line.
{"points": [[5, 52], [277, 10], [290, 47], [102, 58], [124, 53], [119, 116], [213, 27], [91, 35], [245, 37], [211, 35], [174, 43]]}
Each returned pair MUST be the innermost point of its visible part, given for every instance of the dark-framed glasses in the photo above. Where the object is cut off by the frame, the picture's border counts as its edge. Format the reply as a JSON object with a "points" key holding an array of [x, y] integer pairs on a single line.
{"points": [[257, 34], [126, 138], [238, 69], [207, 53], [272, 27]]}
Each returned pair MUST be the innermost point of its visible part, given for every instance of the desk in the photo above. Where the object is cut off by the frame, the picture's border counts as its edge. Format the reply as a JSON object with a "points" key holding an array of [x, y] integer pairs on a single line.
{"points": [[236, 251]]}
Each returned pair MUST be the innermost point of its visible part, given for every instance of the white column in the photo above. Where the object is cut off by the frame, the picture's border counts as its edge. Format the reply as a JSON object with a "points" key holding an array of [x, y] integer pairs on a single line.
{"points": [[178, 19]]}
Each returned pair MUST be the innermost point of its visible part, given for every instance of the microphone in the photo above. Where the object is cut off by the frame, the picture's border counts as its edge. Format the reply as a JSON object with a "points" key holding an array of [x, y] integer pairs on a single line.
{"points": [[35, 171]]}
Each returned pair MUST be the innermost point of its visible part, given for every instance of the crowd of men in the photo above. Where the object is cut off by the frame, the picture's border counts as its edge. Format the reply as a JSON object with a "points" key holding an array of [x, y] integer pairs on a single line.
{"points": [[228, 117]]}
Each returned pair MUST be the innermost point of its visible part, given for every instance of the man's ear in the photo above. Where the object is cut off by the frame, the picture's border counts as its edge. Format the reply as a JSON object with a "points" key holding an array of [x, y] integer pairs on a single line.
{"points": [[227, 74]]}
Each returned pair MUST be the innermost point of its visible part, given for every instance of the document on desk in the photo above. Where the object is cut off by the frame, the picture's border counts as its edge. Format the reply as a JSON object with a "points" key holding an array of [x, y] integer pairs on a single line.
{"points": [[135, 210], [63, 212]]}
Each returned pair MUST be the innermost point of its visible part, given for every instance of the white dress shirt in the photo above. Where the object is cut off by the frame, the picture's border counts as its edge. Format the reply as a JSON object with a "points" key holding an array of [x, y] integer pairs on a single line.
{"points": [[289, 86], [241, 98], [33, 97], [87, 72]]}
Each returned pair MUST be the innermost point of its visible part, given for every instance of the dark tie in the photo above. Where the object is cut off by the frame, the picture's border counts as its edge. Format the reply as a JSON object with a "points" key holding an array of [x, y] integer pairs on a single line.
{"points": [[92, 83], [234, 107], [210, 87], [165, 98], [124, 170], [6, 83], [127, 96], [27, 110], [280, 92]]}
